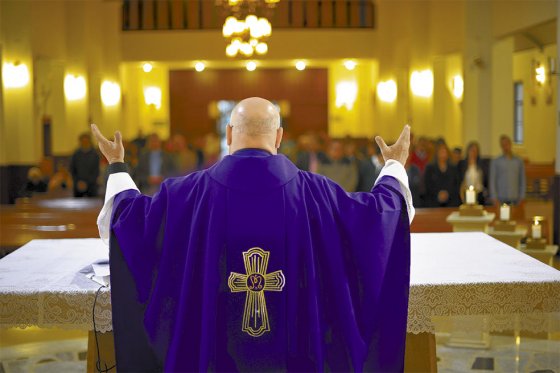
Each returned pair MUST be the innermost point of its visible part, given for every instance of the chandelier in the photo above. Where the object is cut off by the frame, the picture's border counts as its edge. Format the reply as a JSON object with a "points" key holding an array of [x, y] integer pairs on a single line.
{"points": [[247, 27]]}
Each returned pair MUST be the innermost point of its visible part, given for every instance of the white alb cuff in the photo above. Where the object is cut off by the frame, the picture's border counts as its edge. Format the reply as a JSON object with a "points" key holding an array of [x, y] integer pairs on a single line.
{"points": [[116, 183], [396, 169]]}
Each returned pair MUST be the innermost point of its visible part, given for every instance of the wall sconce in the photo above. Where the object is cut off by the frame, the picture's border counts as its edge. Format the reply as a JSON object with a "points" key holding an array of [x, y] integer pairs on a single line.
{"points": [[152, 96], [15, 75], [110, 93], [457, 86], [540, 74], [387, 91], [350, 65], [74, 87], [346, 93], [422, 83]]}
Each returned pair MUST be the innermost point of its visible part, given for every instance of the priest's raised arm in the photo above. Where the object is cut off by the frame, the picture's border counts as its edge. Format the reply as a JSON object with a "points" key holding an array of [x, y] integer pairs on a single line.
{"points": [[256, 265]]}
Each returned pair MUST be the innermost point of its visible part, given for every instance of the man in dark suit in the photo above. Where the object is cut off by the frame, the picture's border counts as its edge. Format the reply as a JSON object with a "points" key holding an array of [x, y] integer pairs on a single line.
{"points": [[154, 165]]}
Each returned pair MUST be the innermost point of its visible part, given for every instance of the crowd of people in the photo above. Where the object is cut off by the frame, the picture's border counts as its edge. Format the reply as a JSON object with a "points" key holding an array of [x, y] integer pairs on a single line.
{"points": [[438, 176]]}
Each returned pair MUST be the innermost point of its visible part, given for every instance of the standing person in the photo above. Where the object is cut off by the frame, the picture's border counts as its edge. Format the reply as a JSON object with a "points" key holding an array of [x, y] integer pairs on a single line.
{"points": [[339, 168], [369, 168], [84, 167], [310, 155], [471, 172], [185, 159], [256, 265], [507, 176], [154, 165], [441, 180]]}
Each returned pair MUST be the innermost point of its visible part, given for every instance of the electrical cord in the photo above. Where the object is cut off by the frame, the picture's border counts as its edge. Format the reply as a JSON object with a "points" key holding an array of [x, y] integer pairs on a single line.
{"points": [[98, 362]]}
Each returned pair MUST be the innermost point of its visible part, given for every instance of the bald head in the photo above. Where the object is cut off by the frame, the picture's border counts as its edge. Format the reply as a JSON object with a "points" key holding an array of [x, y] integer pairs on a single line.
{"points": [[255, 116], [254, 123]]}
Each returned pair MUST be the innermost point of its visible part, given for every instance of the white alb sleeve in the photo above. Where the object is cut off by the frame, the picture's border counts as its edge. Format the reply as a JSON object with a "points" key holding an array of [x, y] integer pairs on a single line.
{"points": [[395, 169], [116, 183]]}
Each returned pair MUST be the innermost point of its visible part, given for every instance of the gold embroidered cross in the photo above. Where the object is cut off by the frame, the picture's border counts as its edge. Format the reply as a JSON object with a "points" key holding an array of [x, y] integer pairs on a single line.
{"points": [[255, 282]]}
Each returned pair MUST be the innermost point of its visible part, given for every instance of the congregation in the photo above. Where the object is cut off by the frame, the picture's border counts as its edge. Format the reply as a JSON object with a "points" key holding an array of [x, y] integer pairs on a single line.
{"points": [[438, 176]]}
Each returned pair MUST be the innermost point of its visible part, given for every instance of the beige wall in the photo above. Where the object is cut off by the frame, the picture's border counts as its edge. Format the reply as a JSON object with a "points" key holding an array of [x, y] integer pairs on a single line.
{"points": [[77, 37], [539, 105], [468, 38]]}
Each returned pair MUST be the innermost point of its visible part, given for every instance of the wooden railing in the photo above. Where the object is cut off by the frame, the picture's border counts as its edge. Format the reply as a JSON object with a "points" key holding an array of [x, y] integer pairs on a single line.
{"points": [[205, 15]]}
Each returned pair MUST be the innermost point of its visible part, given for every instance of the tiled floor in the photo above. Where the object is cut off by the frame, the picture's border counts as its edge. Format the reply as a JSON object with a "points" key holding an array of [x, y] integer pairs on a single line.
{"points": [[504, 355]]}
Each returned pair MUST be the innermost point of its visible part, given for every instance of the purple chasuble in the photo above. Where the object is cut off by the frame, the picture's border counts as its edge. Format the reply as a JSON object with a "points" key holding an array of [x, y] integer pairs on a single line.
{"points": [[254, 265]]}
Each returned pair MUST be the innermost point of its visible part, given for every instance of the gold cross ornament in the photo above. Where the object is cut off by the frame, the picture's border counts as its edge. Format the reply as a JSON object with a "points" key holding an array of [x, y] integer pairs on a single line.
{"points": [[255, 282]]}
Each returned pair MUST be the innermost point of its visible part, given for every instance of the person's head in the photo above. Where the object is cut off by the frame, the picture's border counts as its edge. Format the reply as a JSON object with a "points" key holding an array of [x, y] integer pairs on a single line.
{"points": [[179, 142], [254, 123], [456, 155], [505, 144], [336, 150], [85, 141], [154, 142], [442, 152], [34, 175], [473, 152]]}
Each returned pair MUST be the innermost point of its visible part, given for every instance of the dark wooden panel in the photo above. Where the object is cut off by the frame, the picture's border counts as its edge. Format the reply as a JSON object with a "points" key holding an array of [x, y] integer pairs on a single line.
{"points": [[297, 13], [312, 13], [355, 16], [191, 93], [133, 15], [327, 12], [281, 14], [209, 15], [341, 13], [193, 14], [177, 13], [163, 17], [148, 13]]}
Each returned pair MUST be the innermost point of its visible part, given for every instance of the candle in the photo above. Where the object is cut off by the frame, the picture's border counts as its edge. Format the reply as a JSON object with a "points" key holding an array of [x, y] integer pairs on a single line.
{"points": [[536, 230], [504, 212], [471, 196]]}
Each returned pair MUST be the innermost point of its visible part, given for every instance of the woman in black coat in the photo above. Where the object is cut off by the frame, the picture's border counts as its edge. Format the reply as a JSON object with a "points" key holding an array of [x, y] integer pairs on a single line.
{"points": [[441, 181]]}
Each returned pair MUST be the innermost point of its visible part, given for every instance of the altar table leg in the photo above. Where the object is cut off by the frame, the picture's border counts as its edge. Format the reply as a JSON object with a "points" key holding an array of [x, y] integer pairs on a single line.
{"points": [[106, 351], [420, 353]]}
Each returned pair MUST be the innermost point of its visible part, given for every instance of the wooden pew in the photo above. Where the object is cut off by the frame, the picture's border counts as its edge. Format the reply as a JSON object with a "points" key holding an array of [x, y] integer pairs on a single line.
{"points": [[43, 218]]}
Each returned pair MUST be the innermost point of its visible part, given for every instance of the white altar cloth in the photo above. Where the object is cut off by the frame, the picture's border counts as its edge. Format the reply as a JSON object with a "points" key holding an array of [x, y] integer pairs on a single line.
{"points": [[452, 274]]}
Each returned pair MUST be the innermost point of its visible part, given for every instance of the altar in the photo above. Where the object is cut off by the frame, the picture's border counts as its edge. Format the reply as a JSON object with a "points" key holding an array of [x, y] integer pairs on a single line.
{"points": [[469, 278]]}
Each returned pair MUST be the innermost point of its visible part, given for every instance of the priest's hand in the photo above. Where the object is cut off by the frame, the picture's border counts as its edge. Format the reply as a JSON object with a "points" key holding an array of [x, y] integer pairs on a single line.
{"points": [[112, 150], [398, 151]]}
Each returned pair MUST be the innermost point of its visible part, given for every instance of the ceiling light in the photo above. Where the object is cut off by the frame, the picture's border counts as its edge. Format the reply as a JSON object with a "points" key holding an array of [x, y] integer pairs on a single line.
{"points": [[300, 65], [199, 66], [251, 65], [350, 65], [147, 67]]}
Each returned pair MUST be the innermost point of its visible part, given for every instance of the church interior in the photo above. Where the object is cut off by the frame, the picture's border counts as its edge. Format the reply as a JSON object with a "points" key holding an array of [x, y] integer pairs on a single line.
{"points": [[477, 81]]}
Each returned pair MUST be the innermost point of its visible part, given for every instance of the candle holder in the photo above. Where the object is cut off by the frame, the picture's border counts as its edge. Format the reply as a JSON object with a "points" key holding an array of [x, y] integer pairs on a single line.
{"points": [[536, 239], [505, 224], [471, 206]]}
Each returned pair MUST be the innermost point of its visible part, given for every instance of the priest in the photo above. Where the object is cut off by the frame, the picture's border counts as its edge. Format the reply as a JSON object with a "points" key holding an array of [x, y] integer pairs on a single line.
{"points": [[255, 265]]}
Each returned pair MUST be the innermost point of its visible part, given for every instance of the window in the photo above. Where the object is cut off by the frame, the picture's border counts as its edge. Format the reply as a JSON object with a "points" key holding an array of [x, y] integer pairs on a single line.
{"points": [[518, 112]]}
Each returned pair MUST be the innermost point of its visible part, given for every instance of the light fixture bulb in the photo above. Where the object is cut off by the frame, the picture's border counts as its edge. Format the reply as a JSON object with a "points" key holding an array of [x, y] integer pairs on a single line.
{"points": [[300, 65], [261, 48], [74, 87], [15, 75], [147, 67], [110, 93], [251, 66], [199, 66], [387, 91], [350, 65]]}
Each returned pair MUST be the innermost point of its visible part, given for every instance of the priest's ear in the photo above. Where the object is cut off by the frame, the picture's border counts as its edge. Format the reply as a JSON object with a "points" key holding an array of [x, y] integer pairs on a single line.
{"points": [[228, 134], [279, 133]]}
